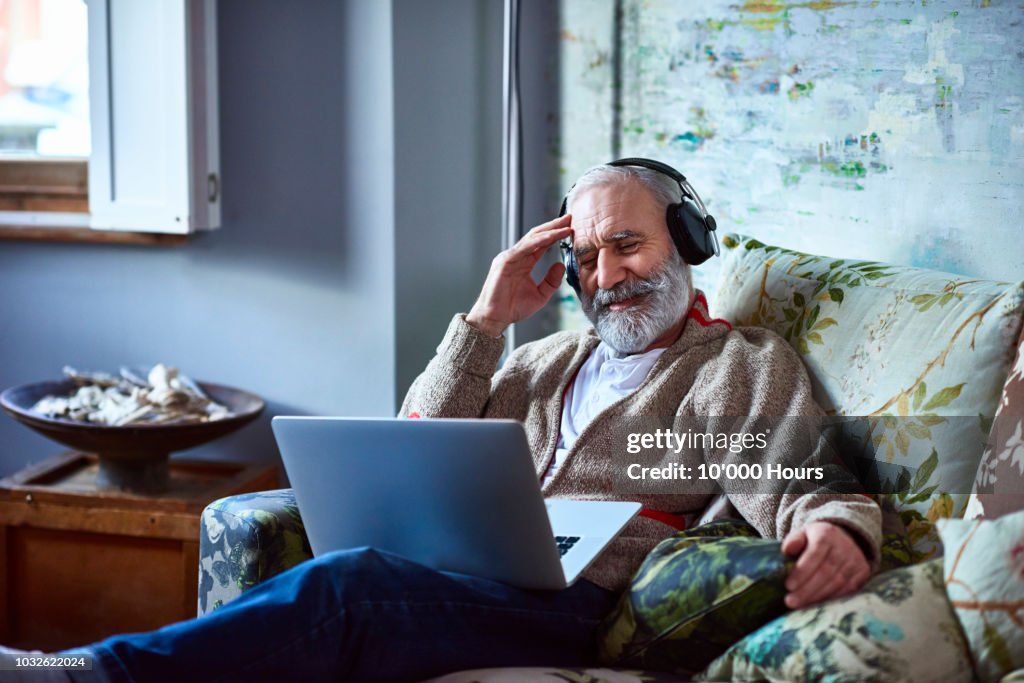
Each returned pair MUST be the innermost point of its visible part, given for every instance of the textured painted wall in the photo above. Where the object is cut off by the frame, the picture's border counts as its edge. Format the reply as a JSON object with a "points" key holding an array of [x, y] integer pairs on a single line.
{"points": [[872, 130]]}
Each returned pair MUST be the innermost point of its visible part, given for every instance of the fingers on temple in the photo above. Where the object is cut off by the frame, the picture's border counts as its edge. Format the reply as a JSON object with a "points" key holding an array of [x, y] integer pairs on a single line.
{"points": [[533, 243], [553, 223], [545, 234]]}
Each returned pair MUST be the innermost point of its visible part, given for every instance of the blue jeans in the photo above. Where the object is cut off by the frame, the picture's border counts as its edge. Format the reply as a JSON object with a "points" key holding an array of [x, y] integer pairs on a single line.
{"points": [[363, 615]]}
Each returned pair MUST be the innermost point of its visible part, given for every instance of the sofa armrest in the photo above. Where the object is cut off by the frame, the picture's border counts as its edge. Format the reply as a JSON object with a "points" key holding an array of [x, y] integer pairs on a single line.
{"points": [[245, 540]]}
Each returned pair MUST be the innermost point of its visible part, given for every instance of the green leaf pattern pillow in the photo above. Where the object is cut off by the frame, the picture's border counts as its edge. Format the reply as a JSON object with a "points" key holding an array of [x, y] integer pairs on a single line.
{"points": [[694, 595]]}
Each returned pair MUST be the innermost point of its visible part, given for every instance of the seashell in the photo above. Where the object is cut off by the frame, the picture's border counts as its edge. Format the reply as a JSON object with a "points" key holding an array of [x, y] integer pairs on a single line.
{"points": [[133, 377], [100, 379], [165, 397]]}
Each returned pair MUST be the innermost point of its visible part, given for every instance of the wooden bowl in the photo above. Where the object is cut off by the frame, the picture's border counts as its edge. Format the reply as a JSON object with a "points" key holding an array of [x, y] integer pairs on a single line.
{"points": [[132, 457]]}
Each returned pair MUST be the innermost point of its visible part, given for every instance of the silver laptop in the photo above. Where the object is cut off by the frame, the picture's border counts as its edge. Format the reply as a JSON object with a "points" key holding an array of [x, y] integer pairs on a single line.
{"points": [[454, 495]]}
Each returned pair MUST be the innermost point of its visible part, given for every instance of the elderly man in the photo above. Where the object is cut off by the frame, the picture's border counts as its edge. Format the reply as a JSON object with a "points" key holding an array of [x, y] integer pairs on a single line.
{"points": [[654, 351], [368, 615]]}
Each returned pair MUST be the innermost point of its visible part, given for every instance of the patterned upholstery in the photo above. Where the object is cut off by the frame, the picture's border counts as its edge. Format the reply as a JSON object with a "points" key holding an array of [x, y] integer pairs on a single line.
{"points": [[999, 486], [697, 592], [245, 540], [922, 354], [899, 627], [984, 574]]}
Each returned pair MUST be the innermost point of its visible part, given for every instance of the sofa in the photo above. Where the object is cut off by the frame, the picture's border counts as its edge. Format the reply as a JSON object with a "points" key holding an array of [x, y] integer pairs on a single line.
{"points": [[932, 365]]}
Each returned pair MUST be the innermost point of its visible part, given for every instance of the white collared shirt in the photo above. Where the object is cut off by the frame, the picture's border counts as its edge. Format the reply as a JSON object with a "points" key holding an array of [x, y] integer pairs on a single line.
{"points": [[602, 380]]}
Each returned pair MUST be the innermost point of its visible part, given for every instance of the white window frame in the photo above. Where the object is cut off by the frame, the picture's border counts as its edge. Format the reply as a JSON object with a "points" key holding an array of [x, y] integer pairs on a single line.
{"points": [[154, 166]]}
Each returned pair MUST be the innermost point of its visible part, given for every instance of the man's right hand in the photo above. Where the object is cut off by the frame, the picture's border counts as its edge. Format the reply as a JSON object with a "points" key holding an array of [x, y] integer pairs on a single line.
{"points": [[509, 293]]}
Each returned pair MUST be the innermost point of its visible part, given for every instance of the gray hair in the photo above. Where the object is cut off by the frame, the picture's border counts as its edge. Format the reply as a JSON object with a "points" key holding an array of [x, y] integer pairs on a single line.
{"points": [[664, 189]]}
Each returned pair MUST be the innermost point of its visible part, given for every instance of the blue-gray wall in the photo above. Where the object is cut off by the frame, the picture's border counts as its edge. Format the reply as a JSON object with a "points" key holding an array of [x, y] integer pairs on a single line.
{"points": [[360, 158], [447, 95]]}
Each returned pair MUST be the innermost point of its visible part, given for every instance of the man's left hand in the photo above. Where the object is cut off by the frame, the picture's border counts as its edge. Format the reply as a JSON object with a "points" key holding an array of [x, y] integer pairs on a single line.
{"points": [[829, 564]]}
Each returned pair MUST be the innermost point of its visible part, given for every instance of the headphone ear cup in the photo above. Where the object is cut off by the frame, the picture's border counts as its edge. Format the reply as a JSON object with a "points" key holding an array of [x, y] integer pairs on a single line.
{"points": [[572, 274], [690, 232]]}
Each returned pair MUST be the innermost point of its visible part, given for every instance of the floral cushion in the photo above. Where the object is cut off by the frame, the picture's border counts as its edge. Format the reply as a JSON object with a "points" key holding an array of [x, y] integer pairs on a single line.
{"points": [[245, 540], [999, 486], [923, 354], [984, 567], [899, 627], [696, 594]]}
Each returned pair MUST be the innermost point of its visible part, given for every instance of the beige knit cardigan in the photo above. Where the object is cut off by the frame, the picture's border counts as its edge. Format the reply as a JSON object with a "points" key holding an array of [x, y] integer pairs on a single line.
{"points": [[712, 369]]}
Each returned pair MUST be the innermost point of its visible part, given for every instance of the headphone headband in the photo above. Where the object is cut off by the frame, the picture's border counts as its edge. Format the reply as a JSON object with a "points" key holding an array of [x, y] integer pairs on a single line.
{"points": [[652, 165], [665, 169], [658, 167]]}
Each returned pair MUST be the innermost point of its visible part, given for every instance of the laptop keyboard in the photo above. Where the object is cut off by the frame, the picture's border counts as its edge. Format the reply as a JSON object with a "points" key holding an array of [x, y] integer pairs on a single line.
{"points": [[564, 543]]}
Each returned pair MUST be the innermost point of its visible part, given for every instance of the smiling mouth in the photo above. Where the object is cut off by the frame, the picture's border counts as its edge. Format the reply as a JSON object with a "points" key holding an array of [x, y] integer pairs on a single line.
{"points": [[626, 303]]}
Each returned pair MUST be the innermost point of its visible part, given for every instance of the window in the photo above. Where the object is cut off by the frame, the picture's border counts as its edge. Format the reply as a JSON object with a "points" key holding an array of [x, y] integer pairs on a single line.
{"points": [[44, 78], [150, 144]]}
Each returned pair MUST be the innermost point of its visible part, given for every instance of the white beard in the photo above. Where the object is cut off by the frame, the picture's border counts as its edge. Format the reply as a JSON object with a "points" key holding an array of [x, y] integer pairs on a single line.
{"points": [[666, 293]]}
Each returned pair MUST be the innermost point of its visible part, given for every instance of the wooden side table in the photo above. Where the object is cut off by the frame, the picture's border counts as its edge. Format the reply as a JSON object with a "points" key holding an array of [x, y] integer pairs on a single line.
{"points": [[78, 563]]}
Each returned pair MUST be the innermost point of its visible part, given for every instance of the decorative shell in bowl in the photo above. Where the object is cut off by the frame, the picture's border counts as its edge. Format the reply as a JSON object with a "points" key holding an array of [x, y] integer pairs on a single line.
{"points": [[132, 424]]}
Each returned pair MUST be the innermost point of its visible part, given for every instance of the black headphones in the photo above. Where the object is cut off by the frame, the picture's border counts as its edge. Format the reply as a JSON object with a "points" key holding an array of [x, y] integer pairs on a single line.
{"points": [[691, 226]]}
